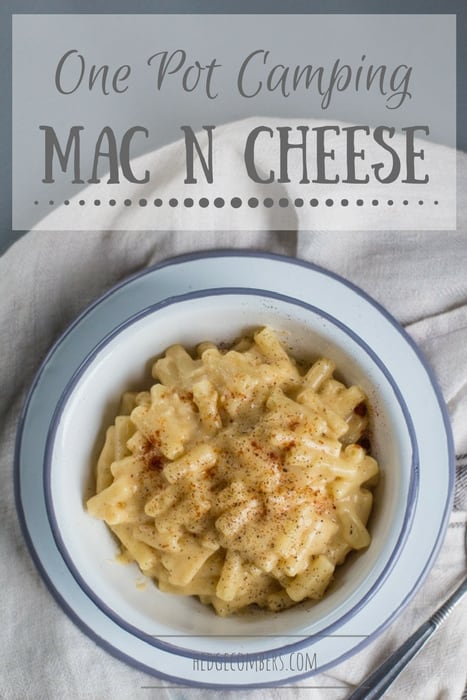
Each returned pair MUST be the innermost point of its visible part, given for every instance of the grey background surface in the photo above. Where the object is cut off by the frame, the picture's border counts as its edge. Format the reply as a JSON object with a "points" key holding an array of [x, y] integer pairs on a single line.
{"points": [[9, 7]]}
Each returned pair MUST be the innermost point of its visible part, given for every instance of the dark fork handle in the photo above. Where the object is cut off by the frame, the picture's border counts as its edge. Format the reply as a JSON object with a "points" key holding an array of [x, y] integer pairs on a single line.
{"points": [[379, 681]]}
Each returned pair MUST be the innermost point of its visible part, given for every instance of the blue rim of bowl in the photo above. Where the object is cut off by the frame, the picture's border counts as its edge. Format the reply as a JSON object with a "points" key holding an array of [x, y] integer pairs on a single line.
{"points": [[412, 490], [59, 597]]}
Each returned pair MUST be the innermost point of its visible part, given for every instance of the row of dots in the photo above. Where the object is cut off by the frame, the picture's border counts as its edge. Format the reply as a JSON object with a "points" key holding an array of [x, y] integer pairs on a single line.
{"points": [[237, 202]]}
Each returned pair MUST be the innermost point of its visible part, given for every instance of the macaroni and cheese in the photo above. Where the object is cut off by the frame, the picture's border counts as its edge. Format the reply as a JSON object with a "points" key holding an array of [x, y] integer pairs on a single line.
{"points": [[240, 477]]}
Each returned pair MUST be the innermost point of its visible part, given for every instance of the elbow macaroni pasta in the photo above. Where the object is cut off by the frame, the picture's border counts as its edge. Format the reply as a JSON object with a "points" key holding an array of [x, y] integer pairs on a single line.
{"points": [[238, 477]]}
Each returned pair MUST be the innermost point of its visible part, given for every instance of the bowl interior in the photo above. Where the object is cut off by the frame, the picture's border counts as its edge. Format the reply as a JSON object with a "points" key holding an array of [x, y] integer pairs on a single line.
{"points": [[122, 362]]}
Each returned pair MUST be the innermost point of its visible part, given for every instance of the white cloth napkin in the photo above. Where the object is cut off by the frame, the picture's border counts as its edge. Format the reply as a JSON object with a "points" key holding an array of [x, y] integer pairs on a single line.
{"points": [[46, 278]]}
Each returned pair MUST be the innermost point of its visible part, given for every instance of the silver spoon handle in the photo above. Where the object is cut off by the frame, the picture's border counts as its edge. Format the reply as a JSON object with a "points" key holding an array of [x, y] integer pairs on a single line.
{"points": [[379, 681]]}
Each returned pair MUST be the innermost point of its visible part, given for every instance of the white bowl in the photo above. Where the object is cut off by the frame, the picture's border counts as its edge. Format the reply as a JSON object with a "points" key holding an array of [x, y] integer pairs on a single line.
{"points": [[121, 362]]}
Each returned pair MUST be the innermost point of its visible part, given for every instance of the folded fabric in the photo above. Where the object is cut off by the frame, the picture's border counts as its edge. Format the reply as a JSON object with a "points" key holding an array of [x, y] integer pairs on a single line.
{"points": [[48, 277]]}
